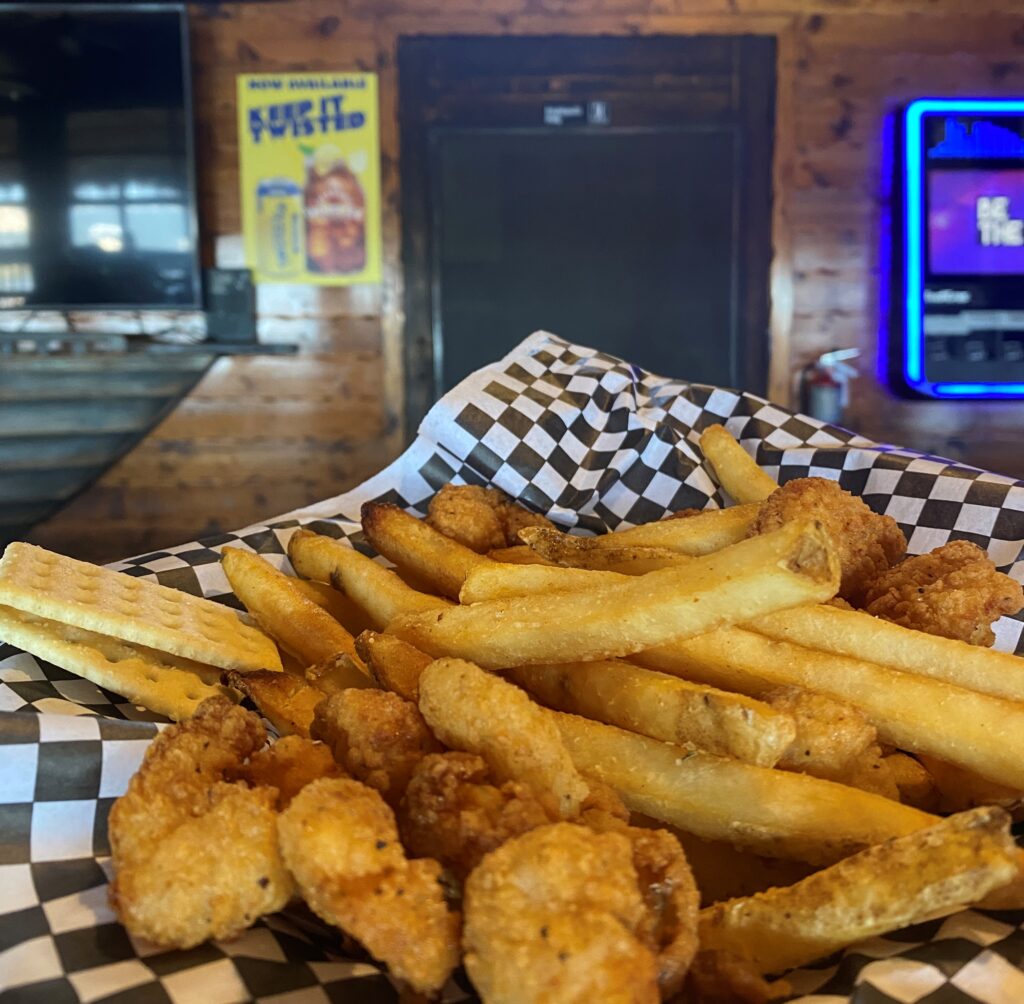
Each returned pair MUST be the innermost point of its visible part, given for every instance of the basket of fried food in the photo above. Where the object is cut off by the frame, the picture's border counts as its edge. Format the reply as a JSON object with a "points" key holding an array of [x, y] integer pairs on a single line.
{"points": [[671, 762]]}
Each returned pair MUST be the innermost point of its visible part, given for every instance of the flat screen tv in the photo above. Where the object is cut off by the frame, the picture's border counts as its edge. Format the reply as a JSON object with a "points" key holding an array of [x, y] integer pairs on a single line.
{"points": [[97, 187]]}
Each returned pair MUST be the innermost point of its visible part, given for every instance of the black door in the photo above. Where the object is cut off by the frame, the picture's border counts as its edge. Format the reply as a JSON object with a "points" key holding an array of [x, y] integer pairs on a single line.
{"points": [[639, 225]]}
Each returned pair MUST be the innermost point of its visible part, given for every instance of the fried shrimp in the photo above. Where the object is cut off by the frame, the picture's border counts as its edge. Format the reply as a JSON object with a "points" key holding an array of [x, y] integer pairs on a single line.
{"points": [[288, 766], [196, 857], [376, 736], [558, 915], [672, 901], [482, 519], [340, 841], [456, 812], [953, 591], [867, 543]]}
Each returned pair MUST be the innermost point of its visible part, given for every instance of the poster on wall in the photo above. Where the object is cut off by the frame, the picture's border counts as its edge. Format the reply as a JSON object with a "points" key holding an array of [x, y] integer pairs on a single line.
{"points": [[310, 175]]}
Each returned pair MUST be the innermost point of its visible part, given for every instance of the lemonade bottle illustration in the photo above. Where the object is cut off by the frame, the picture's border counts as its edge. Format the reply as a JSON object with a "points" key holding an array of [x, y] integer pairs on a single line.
{"points": [[335, 209], [279, 223]]}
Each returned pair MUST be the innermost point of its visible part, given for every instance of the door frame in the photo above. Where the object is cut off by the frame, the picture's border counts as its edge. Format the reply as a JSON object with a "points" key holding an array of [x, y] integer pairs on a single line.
{"points": [[756, 56]]}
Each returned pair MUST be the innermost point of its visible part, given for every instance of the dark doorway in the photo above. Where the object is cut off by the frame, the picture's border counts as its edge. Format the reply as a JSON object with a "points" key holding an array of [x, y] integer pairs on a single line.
{"points": [[615, 191]]}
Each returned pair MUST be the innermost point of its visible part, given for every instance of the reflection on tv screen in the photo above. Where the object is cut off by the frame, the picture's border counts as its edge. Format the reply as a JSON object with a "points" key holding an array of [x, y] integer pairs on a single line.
{"points": [[96, 194]]}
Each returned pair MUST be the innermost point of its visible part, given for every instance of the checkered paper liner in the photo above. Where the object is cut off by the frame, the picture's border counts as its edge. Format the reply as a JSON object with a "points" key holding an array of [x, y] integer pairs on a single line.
{"points": [[593, 442]]}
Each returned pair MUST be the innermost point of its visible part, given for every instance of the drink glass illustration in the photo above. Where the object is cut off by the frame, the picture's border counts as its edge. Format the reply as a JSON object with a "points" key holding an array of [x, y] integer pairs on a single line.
{"points": [[335, 208]]}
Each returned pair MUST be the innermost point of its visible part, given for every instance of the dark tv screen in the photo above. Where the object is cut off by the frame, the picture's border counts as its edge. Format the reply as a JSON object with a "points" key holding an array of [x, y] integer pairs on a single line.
{"points": [[97, 200]]}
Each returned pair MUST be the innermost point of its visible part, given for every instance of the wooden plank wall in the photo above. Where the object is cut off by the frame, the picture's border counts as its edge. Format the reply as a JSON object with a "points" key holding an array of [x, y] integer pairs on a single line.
{"points": [[260, 436]]}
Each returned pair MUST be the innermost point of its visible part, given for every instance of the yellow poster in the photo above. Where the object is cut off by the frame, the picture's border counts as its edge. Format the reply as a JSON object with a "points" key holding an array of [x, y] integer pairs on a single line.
{"points": [[310, 175]]}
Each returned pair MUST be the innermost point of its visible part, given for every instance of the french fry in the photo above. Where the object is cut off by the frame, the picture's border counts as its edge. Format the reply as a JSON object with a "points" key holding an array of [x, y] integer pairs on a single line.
{"points": [[480, 713], [301, 627], [861, 636], [286, 701], [913, 781], [343, 609], [981, 733], [700, 534], [662, 707], [566, 549], [376, 590], [725, 872], [960, 789], [501, 581], [795, 564], [735, 469], [414, 545], [336, 673], [770, 812], [519, 554], [394, 664], [933, 871]]}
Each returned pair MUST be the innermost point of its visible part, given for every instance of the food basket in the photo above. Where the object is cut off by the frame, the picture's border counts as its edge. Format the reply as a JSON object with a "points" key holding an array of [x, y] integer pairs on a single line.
{"points": [[594, 443]]}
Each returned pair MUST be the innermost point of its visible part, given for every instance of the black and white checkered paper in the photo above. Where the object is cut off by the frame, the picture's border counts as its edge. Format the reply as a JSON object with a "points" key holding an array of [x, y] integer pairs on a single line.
{"points": [[593, 442]]}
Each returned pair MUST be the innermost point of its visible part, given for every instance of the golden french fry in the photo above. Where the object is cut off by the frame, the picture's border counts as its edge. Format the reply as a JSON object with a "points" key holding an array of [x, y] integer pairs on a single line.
{"points": [[501, 581], [286, 701], [770, 812], [480, 713], [981, 733], [337, 673], [301, 627], [414, 545], [933, 871], [520, 554], [394, 664], [566, 549], [1009, 896], [795, 564], [700, 534], [343, 609], [913, 781], [736, 471], [662, 707], [725, 872], [861, 636], [960, 789], [376, 590]]}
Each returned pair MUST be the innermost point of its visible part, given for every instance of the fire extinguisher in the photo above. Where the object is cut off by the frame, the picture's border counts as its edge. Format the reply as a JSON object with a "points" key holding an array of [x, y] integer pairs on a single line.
{"points": [[825, 385]]}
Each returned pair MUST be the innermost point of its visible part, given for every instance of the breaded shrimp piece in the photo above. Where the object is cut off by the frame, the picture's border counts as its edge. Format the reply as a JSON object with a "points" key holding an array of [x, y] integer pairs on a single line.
{"points": [[194, 857], [672, 901], [482, 519], [288, 766], [463, 513], [376, 736], [866, 542], [456, 812], [953, 591], [720, 977], [554, 915], [830, 735], [340, 841], [478, 712]]}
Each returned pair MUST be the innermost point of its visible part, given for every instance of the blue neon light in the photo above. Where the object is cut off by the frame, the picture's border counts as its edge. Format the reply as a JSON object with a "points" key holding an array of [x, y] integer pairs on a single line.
{"points": [[982, 139], [913, 239]]}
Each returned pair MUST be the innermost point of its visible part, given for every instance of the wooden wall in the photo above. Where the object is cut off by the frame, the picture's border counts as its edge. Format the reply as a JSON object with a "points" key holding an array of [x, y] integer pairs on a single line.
{"points": [[260, 436]]}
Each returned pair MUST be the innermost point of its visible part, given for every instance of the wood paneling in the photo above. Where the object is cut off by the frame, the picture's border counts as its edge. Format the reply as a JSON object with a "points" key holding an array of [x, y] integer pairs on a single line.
{"points": [[260, 436]]}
